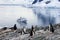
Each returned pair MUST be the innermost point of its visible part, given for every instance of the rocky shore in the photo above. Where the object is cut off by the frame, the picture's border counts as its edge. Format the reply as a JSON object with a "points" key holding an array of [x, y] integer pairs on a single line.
{"points": [[46, 35]]}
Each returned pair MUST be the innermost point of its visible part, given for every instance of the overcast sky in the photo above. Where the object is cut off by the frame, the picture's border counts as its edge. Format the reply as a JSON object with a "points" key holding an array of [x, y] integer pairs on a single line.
{"points": [[15, 1], [9, 15]]}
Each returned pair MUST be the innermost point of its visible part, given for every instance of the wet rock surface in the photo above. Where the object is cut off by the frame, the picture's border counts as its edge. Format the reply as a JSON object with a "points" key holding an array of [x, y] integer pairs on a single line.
{"points": [[38, 36]]}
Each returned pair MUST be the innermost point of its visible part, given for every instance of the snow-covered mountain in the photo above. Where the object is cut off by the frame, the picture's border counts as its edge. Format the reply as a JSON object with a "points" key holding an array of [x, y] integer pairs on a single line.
{"points": [[47, 11], [39, 13]]}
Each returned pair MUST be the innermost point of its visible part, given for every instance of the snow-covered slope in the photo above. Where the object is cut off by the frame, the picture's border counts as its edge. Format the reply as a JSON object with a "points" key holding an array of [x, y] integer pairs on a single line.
{"points": [[38, 13]]}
